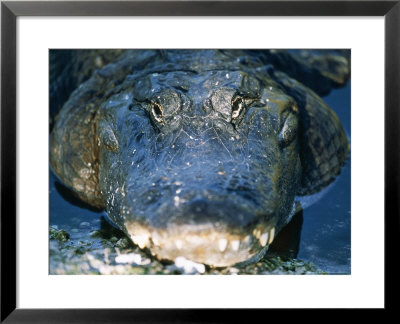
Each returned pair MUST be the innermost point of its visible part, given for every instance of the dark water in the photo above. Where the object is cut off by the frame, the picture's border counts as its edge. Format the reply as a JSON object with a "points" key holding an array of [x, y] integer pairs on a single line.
{"points": [[68, 213], [325, 230]]}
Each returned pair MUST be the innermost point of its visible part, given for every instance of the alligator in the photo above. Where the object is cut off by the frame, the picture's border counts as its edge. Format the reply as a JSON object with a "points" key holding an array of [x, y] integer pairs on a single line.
{"points": [[202, 154]]}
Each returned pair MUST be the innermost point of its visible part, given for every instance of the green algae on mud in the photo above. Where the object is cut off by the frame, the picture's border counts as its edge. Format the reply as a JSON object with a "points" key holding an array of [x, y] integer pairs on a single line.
{"points": [[59, 235]]}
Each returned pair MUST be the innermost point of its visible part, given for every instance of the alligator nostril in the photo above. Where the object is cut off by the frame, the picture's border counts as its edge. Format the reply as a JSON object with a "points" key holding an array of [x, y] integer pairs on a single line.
{"points": [[199, 206]]}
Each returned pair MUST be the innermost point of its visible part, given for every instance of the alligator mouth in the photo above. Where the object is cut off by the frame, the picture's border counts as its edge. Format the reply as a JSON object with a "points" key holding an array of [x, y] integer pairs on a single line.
{"points": [[205, 227], [203, 243]]}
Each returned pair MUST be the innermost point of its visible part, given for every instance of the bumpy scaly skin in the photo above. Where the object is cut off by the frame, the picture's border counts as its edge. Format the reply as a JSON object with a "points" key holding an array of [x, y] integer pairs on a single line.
{"points": [[69, 69], [74, 150], [200, 153], [324, 144]]}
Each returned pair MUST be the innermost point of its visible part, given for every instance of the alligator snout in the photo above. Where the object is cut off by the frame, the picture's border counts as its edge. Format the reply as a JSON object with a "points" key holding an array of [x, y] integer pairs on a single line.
{"points": [[220, 233], [213, 212]]}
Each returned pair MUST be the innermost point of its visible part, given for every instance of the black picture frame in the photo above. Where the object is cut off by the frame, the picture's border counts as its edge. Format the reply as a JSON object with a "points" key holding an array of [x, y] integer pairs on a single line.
{"points": [[10, 10]]}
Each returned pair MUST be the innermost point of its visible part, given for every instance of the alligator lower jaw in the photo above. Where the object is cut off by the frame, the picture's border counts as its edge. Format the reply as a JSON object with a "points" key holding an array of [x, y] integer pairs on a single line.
{"points": [[203, 244]]}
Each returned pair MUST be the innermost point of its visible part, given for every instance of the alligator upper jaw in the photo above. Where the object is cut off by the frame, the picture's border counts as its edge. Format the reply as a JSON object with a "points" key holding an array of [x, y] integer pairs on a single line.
{"points": [[214, 227], [203, 244]]}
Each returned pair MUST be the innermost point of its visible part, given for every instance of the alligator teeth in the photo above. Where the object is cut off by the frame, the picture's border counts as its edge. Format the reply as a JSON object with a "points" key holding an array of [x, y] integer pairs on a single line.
{"points": [[235, 245], [257, 233], [156, 239], [140, 240], [271, 235], [264, 239], [178, 244], [222, 244]]}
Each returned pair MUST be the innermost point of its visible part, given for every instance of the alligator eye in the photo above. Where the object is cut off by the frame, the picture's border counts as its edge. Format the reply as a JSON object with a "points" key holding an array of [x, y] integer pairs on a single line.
{"points": [[156, 113], [238, 107]]}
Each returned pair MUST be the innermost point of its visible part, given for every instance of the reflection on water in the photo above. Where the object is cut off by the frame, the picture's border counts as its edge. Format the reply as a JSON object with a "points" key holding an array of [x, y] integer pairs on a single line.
{"points": [[320, 234]]}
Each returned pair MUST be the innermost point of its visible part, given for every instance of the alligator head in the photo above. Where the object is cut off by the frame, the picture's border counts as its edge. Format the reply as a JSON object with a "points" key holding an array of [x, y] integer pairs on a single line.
{"points": [[199, 163]]}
